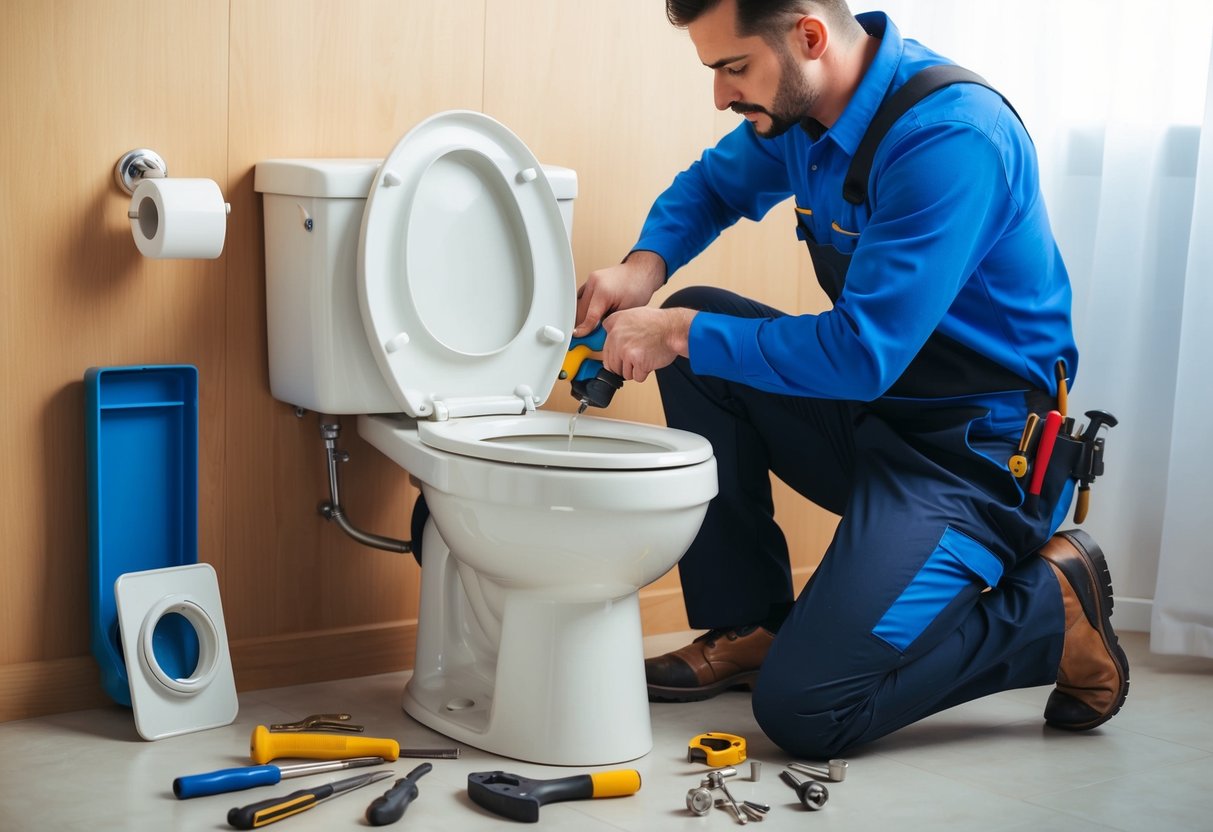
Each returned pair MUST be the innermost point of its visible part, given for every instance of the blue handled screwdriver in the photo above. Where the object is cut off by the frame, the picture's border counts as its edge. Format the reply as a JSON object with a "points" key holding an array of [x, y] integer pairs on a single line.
{"points": [[249, 777]]}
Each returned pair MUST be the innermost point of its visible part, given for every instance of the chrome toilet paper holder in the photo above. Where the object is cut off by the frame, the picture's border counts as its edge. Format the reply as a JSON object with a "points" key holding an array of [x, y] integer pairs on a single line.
{"points": [[135, 173], [137, 165]]}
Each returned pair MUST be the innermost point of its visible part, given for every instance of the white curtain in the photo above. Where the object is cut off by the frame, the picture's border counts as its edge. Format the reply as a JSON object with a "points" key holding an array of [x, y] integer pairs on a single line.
{"points": [[1118, 98]]}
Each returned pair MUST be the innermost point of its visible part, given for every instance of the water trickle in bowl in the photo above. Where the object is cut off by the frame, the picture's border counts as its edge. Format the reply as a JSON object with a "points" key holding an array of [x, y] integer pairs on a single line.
{"points": [[572, 428]]}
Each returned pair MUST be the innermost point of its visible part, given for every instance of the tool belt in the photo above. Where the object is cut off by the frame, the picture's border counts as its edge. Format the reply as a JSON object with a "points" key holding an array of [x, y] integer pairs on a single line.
{"points": [[1053, 451]]}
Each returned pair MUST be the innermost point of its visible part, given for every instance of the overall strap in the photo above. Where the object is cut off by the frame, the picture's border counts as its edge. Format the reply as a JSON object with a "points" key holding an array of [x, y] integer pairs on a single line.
{"points": [[919, 86]]}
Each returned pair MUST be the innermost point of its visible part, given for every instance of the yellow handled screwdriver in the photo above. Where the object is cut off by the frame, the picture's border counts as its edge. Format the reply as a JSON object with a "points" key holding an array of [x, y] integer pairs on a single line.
{"points": [[265, 812], [1063, 393], [1019, 462], [265, 746]]}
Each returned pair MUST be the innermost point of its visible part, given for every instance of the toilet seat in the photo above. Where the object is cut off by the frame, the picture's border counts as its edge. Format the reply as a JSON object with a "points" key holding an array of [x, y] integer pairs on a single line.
{"points": [[465, 274], [541, 438]]}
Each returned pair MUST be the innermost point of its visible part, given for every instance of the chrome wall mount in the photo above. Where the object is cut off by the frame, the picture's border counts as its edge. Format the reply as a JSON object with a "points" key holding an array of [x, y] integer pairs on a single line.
{"points": [[137, 165]]}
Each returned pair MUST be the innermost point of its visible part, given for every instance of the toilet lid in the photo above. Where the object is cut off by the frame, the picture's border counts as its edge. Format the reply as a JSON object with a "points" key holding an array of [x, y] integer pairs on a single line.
{"points": [[465, 275]]}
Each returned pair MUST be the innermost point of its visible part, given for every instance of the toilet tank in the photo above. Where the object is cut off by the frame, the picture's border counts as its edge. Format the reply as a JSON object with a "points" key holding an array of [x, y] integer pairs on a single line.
{"points": [[319, 356]]}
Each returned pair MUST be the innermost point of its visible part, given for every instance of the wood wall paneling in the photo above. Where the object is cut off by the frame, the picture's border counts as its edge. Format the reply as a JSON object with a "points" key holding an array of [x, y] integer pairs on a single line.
{"points": [[608, 89], [81, 84], [318, 79]]}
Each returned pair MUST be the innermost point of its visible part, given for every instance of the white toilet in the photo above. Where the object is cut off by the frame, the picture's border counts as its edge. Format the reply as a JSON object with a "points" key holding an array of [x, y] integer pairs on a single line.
{"points": [[437, 290]]}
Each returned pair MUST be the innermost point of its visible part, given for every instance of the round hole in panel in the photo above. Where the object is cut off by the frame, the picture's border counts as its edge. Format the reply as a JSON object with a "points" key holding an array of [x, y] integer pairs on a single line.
{"points": [[175, 646], [470, 271], [204, 634]]}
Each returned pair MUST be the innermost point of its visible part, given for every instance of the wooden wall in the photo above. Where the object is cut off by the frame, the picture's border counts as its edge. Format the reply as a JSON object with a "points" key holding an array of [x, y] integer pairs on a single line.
{"points": [[609, 89]]}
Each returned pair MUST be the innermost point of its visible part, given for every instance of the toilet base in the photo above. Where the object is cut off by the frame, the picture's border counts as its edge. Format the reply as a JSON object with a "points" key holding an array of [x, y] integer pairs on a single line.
{"points": [[566, 686]]}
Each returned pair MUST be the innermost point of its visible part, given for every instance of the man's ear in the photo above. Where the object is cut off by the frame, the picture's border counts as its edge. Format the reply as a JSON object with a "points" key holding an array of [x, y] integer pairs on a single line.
{"points": [[810, 37]]}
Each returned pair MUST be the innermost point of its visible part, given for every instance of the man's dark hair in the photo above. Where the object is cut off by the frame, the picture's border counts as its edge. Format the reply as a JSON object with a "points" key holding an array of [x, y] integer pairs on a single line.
{"points": [[764, 18]]}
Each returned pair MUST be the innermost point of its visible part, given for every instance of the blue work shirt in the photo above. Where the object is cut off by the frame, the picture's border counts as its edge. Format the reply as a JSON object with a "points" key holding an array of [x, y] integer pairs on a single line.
{"points": [[954, 237]]}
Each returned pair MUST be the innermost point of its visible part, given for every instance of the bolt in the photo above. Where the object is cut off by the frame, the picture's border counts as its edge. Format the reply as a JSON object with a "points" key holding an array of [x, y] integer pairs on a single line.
{"points": [[699, 801], [835, 770], [811, 793]]}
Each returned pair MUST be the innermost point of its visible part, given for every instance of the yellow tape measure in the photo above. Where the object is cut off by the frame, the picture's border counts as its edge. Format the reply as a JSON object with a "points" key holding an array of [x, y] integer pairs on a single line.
{"points": [[716, 749]]}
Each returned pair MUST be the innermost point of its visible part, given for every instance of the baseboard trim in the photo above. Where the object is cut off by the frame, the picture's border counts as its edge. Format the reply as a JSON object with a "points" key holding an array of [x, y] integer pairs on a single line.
{"points": [[31, 689], [322, 655], [1132, 615], [35, 689]]}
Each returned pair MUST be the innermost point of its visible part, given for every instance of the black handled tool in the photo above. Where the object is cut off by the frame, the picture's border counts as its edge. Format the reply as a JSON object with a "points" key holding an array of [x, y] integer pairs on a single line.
{"points": [[390, 807], [1098, 418], [519, 798], [266, 812], [1091, 463], [598, 390]]}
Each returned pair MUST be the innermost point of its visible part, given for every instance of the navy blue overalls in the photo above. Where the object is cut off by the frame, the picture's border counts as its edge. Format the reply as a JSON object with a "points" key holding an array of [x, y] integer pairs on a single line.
{"points": [[930, 593]]}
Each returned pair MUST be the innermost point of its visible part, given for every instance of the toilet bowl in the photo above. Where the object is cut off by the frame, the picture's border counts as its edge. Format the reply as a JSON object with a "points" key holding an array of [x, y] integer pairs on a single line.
{"points": [[529, 641], [438, 306]]}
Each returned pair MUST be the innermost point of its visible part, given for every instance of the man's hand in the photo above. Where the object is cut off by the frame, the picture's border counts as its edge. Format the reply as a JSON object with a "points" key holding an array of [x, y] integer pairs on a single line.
{"points": [[625, 286], [642, 340]]}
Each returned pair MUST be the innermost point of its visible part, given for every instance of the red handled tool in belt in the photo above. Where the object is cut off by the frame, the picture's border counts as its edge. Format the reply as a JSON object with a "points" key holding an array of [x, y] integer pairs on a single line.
{"points": [[1044, 450], [1089, 464]]}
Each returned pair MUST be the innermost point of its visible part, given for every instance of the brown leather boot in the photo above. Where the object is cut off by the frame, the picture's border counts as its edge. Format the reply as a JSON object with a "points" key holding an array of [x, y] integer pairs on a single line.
{"points": [[1093, 676], [713, 663]]}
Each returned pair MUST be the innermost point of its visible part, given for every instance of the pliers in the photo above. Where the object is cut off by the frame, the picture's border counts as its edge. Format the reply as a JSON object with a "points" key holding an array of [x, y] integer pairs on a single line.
{"points": [[320, 722]]}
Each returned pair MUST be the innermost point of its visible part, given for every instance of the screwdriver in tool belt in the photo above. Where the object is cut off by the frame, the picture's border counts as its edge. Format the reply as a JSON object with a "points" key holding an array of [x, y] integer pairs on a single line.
{"points": [[265, 812], [1019, 462], [1044, 450], [250, 777], [1063, 393]]}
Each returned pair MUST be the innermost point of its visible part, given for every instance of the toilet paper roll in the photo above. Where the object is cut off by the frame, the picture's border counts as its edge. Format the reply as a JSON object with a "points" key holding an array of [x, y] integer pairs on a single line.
{"points": [[178, 218]]}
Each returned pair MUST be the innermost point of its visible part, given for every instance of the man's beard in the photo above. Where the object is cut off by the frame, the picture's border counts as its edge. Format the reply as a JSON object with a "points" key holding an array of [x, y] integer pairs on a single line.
{"points": [[793, 103]]}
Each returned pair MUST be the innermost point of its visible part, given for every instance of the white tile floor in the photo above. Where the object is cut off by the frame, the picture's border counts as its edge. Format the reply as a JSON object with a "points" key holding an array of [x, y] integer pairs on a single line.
{"points": [[987, 765]]}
